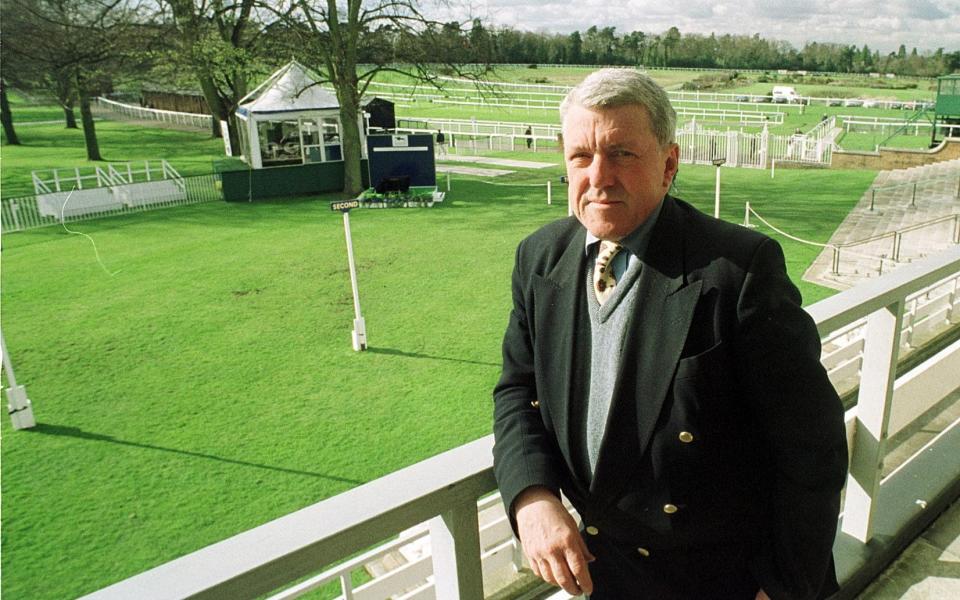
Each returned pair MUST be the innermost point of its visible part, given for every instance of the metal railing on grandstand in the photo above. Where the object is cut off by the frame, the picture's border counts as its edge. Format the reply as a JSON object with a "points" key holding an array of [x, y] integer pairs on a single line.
{"points": [[68, 206], [902, 475]]}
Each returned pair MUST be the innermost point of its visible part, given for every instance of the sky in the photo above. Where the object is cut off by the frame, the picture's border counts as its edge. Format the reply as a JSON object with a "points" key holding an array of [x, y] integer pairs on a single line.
{"points": [[881, 24]]}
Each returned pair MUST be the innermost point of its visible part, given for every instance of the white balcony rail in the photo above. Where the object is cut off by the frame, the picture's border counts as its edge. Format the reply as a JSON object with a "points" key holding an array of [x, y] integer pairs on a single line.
{"points": [[879, 510]]}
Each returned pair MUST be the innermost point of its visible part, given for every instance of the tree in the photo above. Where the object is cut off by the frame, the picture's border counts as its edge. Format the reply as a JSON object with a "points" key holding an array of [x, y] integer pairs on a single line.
{"points": [[79, 46], [481, 46], [217, 40], [671, 39], [6, 118], [576, 48], [29, 69], [390, 35]]}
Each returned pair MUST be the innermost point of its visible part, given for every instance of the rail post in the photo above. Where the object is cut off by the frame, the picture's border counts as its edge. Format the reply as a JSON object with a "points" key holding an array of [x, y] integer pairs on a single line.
{"points": [[455, 545], [880, 351], [873, 197], [913, 197]]}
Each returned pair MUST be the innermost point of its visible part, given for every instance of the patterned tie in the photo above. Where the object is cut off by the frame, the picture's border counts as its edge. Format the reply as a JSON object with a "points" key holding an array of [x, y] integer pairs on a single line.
{"points": [[603, 279]]}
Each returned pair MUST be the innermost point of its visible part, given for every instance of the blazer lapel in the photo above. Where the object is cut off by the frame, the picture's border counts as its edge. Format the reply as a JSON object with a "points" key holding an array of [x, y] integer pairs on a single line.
{"points": [[665, 304], [561, 317]]}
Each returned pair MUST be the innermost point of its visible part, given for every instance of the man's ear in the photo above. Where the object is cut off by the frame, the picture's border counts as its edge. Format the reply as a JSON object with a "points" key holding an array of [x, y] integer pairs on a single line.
{"points": [[671, 165]]}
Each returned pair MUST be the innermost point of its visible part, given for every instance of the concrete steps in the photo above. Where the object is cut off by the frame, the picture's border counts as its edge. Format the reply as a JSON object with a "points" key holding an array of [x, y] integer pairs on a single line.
{"points": [[900, 200]]}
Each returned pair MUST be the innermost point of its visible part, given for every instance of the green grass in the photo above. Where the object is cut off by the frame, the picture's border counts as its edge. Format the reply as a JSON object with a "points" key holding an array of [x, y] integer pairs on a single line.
{"points": [[26, 111], [53, 146], [869, 141], [209, 385]]}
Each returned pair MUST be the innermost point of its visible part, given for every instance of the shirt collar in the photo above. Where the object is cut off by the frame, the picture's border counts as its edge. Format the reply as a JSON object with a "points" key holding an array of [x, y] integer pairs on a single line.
{"points": [[636, 241]]}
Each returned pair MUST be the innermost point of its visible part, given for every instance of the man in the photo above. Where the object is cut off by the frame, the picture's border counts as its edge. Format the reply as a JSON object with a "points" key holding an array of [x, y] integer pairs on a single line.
{"points": [[670, 387], [441, 139]]}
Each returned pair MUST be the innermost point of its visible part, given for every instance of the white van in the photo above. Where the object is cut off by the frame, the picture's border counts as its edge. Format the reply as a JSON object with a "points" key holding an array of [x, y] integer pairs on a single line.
{"points": [[783, 94]]}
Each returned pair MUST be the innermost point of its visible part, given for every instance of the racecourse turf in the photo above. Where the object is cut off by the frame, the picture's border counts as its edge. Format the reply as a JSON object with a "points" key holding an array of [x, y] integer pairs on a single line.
{"points": [[200, 381]]}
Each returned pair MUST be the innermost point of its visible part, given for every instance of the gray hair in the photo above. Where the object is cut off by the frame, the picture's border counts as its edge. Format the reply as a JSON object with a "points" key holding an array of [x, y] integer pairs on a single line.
{"points": [[613, 88]]}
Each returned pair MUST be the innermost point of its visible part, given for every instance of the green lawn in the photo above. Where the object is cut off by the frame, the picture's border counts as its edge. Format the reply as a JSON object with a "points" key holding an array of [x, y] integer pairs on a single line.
{"points": [[53, 146], [209, 385], [26, 111]]}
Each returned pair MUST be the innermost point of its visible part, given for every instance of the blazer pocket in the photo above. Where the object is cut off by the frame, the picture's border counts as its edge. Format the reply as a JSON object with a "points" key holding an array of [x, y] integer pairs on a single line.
{"points": [[710, 361]]}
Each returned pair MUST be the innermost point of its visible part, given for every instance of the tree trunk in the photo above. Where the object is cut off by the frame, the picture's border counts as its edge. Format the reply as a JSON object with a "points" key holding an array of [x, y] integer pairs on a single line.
{"points": [[70, 117], [350, 145], [89, 132], [6, 118], [233, 128]]}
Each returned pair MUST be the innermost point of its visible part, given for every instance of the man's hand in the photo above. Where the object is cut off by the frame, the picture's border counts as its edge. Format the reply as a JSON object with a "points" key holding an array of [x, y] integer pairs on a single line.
{"points": [[762, 595], [550, 539]]}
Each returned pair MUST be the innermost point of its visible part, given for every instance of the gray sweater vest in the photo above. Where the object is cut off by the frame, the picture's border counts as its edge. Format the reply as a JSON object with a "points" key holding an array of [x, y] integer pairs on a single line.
{"points": [[608, 325]]}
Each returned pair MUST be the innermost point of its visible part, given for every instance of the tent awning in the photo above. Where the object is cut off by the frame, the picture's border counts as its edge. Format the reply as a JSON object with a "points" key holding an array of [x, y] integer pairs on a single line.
{"points": [[290, 89]]}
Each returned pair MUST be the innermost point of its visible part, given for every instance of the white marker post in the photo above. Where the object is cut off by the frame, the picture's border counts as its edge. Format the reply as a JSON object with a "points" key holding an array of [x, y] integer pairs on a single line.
{"points": [[18, 405], [359, 332], [717, 162]]}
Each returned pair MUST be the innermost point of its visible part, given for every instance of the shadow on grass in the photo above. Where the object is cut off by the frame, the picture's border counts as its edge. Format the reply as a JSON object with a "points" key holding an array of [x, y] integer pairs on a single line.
{"points": [[76, 432], [395, 352]]}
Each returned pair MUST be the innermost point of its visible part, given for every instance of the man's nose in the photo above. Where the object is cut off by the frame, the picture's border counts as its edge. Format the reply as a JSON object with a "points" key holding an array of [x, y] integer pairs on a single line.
{"points": [[601, 173]]}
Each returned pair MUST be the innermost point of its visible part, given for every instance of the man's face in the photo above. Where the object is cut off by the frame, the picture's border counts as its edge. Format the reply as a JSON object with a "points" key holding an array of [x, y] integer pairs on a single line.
{"points": [[617, 170]]}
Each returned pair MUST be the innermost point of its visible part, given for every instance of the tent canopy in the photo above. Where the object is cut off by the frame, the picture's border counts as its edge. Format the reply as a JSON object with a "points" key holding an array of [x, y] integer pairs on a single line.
{"points": [[292, 88]]}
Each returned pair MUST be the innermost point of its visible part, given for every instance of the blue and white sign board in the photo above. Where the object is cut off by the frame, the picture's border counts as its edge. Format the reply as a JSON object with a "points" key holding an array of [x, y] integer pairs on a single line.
{"points": [[402, 156]]}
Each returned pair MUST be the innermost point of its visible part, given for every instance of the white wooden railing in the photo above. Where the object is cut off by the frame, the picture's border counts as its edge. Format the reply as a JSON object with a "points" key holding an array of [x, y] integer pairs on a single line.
{"points": [[443, 491]]}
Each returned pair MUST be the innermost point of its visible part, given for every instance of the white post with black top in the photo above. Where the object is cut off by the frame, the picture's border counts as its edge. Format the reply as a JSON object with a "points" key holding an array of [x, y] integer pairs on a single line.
{"points": [[359, 332]]}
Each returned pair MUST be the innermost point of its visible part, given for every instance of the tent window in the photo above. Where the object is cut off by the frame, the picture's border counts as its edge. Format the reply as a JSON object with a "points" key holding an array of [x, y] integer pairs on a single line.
{"points": [[244, 139], [331, 139], [279, 142]]}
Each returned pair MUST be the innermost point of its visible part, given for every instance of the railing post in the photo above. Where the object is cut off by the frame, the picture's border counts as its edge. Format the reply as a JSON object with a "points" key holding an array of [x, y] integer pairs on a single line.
{"points": [[873, 197], [836, 260], [878, 372], [913, 197], [455, 545], [897, 238], [346, 586]]}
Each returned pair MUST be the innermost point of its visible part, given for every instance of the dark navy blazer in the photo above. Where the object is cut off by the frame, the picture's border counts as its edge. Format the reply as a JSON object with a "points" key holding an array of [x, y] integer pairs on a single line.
{"points": [[723, 426]]}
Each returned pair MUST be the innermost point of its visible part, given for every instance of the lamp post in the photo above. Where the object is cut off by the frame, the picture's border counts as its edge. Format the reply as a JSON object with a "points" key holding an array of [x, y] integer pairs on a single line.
{"points": [[717, 162]]}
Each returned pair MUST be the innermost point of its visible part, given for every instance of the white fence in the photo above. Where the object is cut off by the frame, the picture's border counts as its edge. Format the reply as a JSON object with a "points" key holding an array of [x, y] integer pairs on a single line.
{"points": [[193, 120], [41, 210], [46, 181], [697, 145]]}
